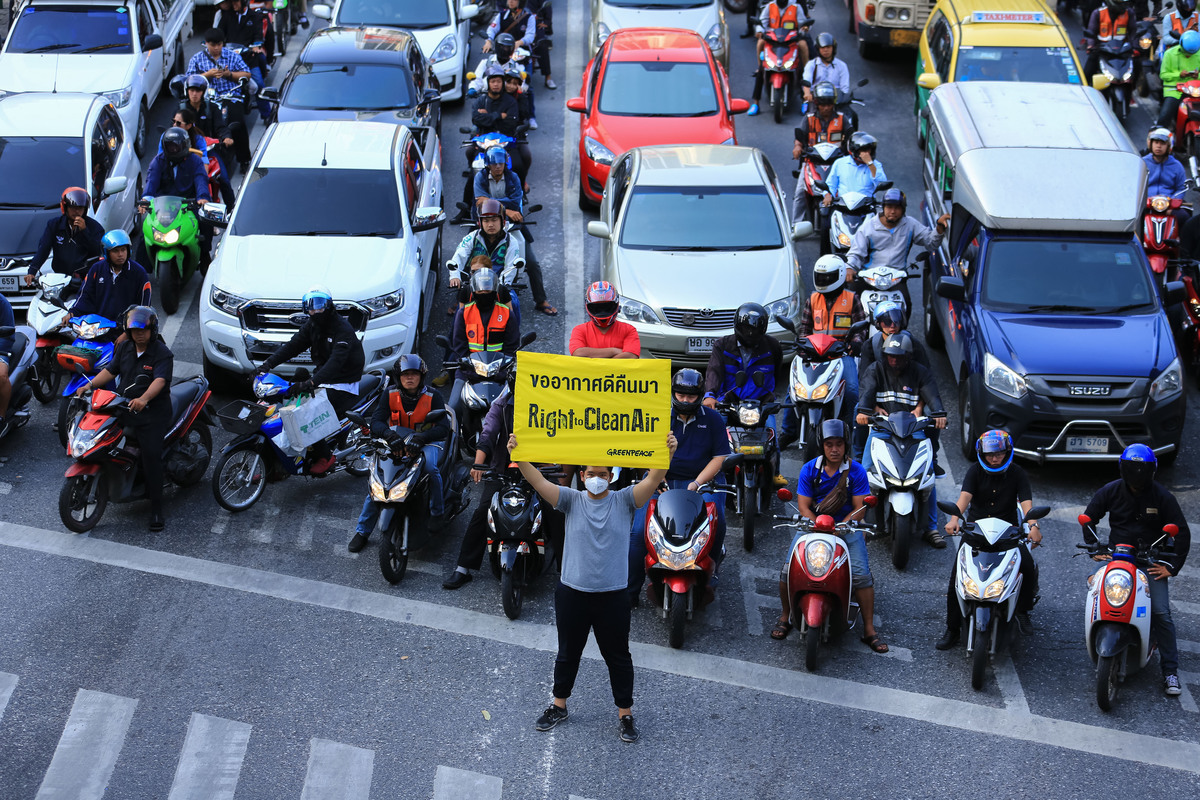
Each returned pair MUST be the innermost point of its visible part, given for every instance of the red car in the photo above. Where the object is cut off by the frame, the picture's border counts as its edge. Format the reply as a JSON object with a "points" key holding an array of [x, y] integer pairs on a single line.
{"points": [[649, 86]]}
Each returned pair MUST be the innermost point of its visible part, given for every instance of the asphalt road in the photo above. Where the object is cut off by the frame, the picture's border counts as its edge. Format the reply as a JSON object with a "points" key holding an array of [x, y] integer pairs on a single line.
{"points": [[253, 652]]}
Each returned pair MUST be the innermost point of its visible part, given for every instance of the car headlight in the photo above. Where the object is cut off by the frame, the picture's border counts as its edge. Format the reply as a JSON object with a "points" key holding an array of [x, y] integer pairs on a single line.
{"points": [[445, 49], [597, 152], [970, 588], [385, 303], [889, 14], [787, 308], [999, 377], [602, 34], [749, 416], [634, 311], [224, 301], [905, 15], [1168, 383], [120, 98], [713, 37], [818, 555], [1117, 586], [166, 237]]}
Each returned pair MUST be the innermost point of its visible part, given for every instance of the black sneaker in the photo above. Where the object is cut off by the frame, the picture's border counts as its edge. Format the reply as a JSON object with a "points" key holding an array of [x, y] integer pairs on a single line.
{"points": [[157, 523], [629, 731], [457, 580], [1024, 623], [1171, 685], [948, 640], [551, 717], [938, 471], [357, 543]]}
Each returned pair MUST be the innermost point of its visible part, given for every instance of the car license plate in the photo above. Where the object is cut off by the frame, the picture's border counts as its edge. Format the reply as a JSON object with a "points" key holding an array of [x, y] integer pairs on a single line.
{"points": [[902, 38], [10, 283], [1087, 444], [700, 344]]}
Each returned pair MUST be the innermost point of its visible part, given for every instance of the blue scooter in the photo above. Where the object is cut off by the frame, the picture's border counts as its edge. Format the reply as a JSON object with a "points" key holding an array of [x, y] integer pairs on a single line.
{"points": [[92, 351]]}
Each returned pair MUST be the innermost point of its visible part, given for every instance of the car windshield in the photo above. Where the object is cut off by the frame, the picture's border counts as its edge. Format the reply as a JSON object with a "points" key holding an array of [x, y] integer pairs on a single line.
{"points": [[1025, 64], [334, 202], [350, 87], [71, 29], [1069, 277], [659, 3], [658, 89], [396, 13], [700, 218], [33, 171]]}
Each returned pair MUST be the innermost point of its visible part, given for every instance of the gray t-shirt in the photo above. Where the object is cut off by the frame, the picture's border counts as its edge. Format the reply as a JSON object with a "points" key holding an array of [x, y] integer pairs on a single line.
{"points": [[596, 543]]}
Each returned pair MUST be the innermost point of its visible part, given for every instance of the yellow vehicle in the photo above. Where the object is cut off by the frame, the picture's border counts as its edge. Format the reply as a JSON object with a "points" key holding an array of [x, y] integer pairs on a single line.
{"points": [[992, 40]]}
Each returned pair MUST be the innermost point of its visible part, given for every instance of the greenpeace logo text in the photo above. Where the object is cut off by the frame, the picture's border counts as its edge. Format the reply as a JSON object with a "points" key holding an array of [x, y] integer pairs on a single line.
{"points": [[631, 453]]}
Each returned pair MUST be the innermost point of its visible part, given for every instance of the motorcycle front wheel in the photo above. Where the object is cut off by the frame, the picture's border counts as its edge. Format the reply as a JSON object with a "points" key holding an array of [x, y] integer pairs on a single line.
{"points": [[511, 594], [902, 534], [979, 659], [393, 561], [812, 645], [1108, 679], [676, 618], [749, 511], [240, 478], [82, 501], [46, 378], [170, 280]]}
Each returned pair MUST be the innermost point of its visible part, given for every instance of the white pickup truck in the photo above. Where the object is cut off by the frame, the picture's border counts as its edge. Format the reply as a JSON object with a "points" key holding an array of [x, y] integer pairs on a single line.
{"points": [[124, 50]]}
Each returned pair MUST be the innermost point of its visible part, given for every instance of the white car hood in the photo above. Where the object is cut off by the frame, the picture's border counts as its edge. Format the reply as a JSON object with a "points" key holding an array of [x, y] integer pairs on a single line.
{"points": [[93, 74], [699, 20], [285, 267], [705, 279]]}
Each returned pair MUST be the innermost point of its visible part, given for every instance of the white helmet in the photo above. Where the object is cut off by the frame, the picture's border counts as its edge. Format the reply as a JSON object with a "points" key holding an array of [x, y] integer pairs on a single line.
{"points": [[829, 274]]}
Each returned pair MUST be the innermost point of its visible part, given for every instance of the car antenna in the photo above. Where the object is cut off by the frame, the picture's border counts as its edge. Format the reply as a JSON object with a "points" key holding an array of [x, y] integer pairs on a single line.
{"points": [[324, 150]]}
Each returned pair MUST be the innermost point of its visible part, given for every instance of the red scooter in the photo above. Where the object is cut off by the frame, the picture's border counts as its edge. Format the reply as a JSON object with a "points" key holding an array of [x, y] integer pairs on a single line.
{"points": [[1160, 237], [781, 64], [214, 169], [818, 579], [1187, 122]]}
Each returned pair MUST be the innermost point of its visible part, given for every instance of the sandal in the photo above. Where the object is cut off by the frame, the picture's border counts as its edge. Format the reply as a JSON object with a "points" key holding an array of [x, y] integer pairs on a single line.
{"points": [[875, 643], [781, 630], [547, 309]]}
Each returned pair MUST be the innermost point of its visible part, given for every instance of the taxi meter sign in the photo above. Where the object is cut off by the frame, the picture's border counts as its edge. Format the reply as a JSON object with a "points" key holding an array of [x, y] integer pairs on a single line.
{"points": [[1034, 17]]}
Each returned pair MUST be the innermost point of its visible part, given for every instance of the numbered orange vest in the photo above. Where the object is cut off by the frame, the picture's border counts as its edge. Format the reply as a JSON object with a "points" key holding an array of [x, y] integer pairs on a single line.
{"points": [[488, 337], [789, 19], [833, 321], [1110, 28], [406, 419], [831, 133]]}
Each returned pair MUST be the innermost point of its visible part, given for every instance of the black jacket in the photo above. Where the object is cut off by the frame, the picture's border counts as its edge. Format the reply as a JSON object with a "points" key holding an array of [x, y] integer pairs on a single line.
{"points": [[486, 115], [336, 350], [1140, 518], [899, 392], [71, 248], [245, 29], [209, 120], [381, 420], [872, 352], [110, 297]]}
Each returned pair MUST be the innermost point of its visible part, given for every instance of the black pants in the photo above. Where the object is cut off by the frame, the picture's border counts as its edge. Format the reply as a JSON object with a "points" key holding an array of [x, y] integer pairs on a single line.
{"points": [[606, 614], [1167, 112], [341, 402], [534, 270], [149, 429], [1025, 600]]}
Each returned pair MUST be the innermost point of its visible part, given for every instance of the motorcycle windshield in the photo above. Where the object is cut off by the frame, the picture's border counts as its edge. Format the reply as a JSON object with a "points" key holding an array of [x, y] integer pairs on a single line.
{"points": [[679, 512], [905, 425], [166, 210], [979, 542]]}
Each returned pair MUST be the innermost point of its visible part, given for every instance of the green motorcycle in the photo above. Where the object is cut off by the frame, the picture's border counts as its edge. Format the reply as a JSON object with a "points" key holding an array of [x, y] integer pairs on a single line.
{"points": [[171, 230]]}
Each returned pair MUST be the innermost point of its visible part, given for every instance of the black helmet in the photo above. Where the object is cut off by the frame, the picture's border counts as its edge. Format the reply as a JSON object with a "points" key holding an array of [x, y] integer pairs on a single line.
{"points": [[827, 40], [483, 281], [409, 362], [750, 324], [1185, 8], [899, 345], [140, 317], [824, 93], [686, 381], [860, 141], [195, 81], [1115, 6], [175, 144], [1138, 465], [505, 45], [895, 197], [494, 71], [834, 429]]}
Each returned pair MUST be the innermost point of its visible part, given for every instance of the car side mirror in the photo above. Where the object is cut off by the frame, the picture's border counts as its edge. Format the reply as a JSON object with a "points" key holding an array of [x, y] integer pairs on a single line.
{"points": [[269, 93], [152, 42], [430, 96], [469, 11], [1174, 293], [739, 106], [929, 80], [427, 218], [576, 104], [600, 230], [951, 289], [801, 230], [118, 184], [322, 11]]}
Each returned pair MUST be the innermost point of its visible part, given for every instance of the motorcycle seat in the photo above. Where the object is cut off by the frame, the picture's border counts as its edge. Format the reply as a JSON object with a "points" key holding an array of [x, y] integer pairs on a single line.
{"points": [[183, 394], [368, 383], [20, 342]]}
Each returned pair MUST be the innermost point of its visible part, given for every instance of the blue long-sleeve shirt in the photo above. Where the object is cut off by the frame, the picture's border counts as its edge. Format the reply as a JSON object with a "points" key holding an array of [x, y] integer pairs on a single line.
{"points": [[188, 178], [109, 294], [847, 175], [1166, 179], [513, 197]]}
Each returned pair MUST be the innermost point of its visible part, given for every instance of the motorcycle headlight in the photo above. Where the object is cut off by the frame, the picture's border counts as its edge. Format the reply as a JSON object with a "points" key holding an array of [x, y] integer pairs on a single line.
{"points": [[224, 301], [399, 492], [843, 239], [999, 377], [970, 588], [491, 521], [1160, 204], [602, 34], [799, 392], [597, 152], [121, 97], [994, 589], [788, 307], [1128, 73], [749, 416], [791, 62], [378, 492], [445, 49], [883, 281], [81, 440], [385, 303], [1168, 383], [537, 523], [166, 237], [818, 555], [634, 311], [820, 392], [713, 38], [1117, 587], [1145, 42]]}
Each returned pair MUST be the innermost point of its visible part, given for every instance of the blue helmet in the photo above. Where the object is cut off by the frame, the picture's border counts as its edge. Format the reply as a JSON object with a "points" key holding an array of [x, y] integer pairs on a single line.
{"points": [[1190, 42], [316, 299], [1138, 462], [995, 441], [497, 155], [115, 238], [888, 311]]}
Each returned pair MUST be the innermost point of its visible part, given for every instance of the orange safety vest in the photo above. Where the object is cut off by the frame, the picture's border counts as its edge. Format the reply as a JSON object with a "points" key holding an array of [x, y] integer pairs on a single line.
{"points": [[406, 419], [833, 321], [1110, 28], [480, 337], [833, 133], [1177, 26], [789, 19]]}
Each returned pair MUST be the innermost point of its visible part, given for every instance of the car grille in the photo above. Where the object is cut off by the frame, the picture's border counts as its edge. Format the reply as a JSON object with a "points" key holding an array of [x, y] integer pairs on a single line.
{"points": [[275, 316], [1050, 429], [923, 12], [705, 319]]}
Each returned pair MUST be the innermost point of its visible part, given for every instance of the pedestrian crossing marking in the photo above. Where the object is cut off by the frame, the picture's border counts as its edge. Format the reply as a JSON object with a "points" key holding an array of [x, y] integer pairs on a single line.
{"points": [[88, 749], [8, 682], [461, 784], [211, 759], [337, 771]]}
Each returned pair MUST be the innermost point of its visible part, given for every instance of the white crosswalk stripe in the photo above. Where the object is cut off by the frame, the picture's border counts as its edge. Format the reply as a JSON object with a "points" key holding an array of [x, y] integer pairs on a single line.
{"points": [[8, 682], [337, 771], [460, 784], [211, 759], [88, 749]]}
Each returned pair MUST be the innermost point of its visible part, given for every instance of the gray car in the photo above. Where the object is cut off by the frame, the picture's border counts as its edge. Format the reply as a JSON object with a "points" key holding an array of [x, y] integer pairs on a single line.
{"points": [[705, 17], [690, 232]]}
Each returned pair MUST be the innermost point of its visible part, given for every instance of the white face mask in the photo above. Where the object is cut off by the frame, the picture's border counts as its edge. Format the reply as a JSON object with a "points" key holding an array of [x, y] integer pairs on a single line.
{"points": [[596, 485]]}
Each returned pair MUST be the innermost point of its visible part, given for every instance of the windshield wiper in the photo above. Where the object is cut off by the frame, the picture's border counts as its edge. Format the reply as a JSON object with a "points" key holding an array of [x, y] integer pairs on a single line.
{"points": [[374, 233], [1126, 307], [750, 247], [98, 47], [420, 26], [27, 205], [689, 248], [46, 48], [1060, 307], [314, 233]]}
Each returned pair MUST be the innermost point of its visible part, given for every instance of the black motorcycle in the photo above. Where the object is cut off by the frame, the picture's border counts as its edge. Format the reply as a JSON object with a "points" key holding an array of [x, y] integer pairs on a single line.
{"points": [[517, 519], [487, 375], [749, 434]]}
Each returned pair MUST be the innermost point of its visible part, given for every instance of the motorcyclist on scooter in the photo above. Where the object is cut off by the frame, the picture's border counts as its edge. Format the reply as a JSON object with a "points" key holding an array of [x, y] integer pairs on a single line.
{"points": [[185, 118], [484, 324], [1179, 19], [603, 335], [1140, 507], [234, 140], [408, 403], [337, 355], [178, 172], [856, 172], [994, 487], [144, 355], [73, 238], [832, 309], [787, 15], [502, 57], [887, 238], [888, 318], [703, 445], [496, 110], [1165, 176], [827, 124], [826, 68], [898, 383], [224, 69], [1112, 21], [1179, 65], [115, 282], [251, 28], [835, 484], [522, 157], [506, 250]]}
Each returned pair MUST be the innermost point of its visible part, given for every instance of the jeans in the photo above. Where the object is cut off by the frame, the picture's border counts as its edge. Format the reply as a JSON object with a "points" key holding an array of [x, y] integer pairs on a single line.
{"points": [[607, 615], [264, 108], [370, 510], [637, 535], [866, 462], [1162, 627], [850, 371]]}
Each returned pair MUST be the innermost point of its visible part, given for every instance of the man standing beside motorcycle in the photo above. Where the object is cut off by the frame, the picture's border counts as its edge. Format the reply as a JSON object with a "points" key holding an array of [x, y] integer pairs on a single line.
{"points": [[826, 125], [408, 404], [144, 357], [484, 324], [1140, 507], [1111, 21], [703, 443], [886, 239], [898, 383], [223, 68], [783, 14], [856, 172], [833, 308], [337, 355], [604, 336], [115, 282], [835, 484], [994, 488], [72, 238]]}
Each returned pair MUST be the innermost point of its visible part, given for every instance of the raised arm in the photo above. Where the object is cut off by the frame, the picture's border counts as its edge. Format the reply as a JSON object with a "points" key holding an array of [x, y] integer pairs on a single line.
{"points": [[643, 490], [546, 490]]}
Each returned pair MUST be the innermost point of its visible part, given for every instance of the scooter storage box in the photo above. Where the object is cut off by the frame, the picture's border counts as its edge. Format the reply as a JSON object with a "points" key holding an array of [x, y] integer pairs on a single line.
{"points": [[70, 357]]}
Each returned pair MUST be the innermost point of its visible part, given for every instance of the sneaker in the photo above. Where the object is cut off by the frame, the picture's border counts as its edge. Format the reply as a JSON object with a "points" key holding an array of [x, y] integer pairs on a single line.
{"points": [[629, 731], [1024, 623], [457, 581], [938, 472], [948, 640], [780, 482], [1171, 685], [753, 112], [550, 84], [533, 123], [935, 539], [304, 21], [551, 717], [357, 543]]}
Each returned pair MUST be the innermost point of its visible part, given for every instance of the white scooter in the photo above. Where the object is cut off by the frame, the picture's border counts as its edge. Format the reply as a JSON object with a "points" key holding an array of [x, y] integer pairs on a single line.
{"points": [[987, 580], [847, 213], [902, 477], [48, 315]]}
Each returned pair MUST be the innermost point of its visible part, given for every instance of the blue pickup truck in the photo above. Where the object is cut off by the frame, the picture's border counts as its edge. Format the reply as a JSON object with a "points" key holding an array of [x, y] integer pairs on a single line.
{"points": [[1041, 294]]}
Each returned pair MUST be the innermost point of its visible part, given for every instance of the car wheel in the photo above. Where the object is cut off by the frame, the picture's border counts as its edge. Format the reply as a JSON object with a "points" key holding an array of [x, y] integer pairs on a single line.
{"points": [[139, 135], [933, 333], [968, 426]]}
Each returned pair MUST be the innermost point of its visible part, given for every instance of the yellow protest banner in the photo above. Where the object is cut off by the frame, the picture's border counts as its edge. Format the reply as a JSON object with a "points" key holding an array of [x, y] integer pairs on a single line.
{"points": [[599, 411]]}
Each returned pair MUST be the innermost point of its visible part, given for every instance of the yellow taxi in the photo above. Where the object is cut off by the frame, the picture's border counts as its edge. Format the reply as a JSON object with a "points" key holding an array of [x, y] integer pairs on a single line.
{"points": [[992, 40]]}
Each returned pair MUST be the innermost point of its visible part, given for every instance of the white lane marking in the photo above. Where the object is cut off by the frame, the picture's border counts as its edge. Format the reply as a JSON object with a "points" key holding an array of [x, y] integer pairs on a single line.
{"points": [[1188, 647], [307, 523], [754, 602], [263, 532], [1185, 608], [572, 217], [5, 488], [576, 797], [945, 712], [211, 759], [170, 328], [461, 784], [1186, 701], [8, 682], [1010, 686], [88, 748], [337, 771]]}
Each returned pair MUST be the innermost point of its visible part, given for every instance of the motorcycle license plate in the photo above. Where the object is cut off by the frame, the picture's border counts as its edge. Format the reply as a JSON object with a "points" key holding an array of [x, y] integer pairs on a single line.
{"points": [[700, 344], [9, 283], [904, 38], [1087, 444], [751, 449]]}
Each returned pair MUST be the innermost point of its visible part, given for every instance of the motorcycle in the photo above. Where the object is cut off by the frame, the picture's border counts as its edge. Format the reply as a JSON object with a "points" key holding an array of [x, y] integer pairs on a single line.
{"points": [[20, 374], [815, 163], [516, 546], [260, 451], [1116, 66], [817, 382], [278, 19], [1117, 610], [781, 64], [1147, 53], [749, 434], [847, 213], [108, 467], [902, 477], [987, 582], [397, 481], [1187, 123], [171, 229], [487, 377], [48, 315], [1190, 321], [91, 351], [1160, 237], [820, 600], [680, 560]]}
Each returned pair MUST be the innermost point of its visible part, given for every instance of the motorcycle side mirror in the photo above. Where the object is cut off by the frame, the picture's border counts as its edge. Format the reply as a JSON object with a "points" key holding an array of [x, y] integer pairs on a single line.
{"points": [[739, 380], [923, 255], [436, 416], [795, 173], [1171, 529], [533, 209], [1037, 512], [821, 186], [862, 83], [357, 419], [870, 501], [529, 338], [461, 206], [758, 379], [1174, 293], [949, 509], [465, 129], [861, 326], [733, 460], [784, 495], [1085, 520], [883, 187], [784, 323], [442, 340]]}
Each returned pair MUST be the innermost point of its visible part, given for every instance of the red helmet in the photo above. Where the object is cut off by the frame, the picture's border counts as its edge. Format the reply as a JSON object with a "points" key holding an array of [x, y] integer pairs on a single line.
{"points": [[74, 197], [602, 303]]}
